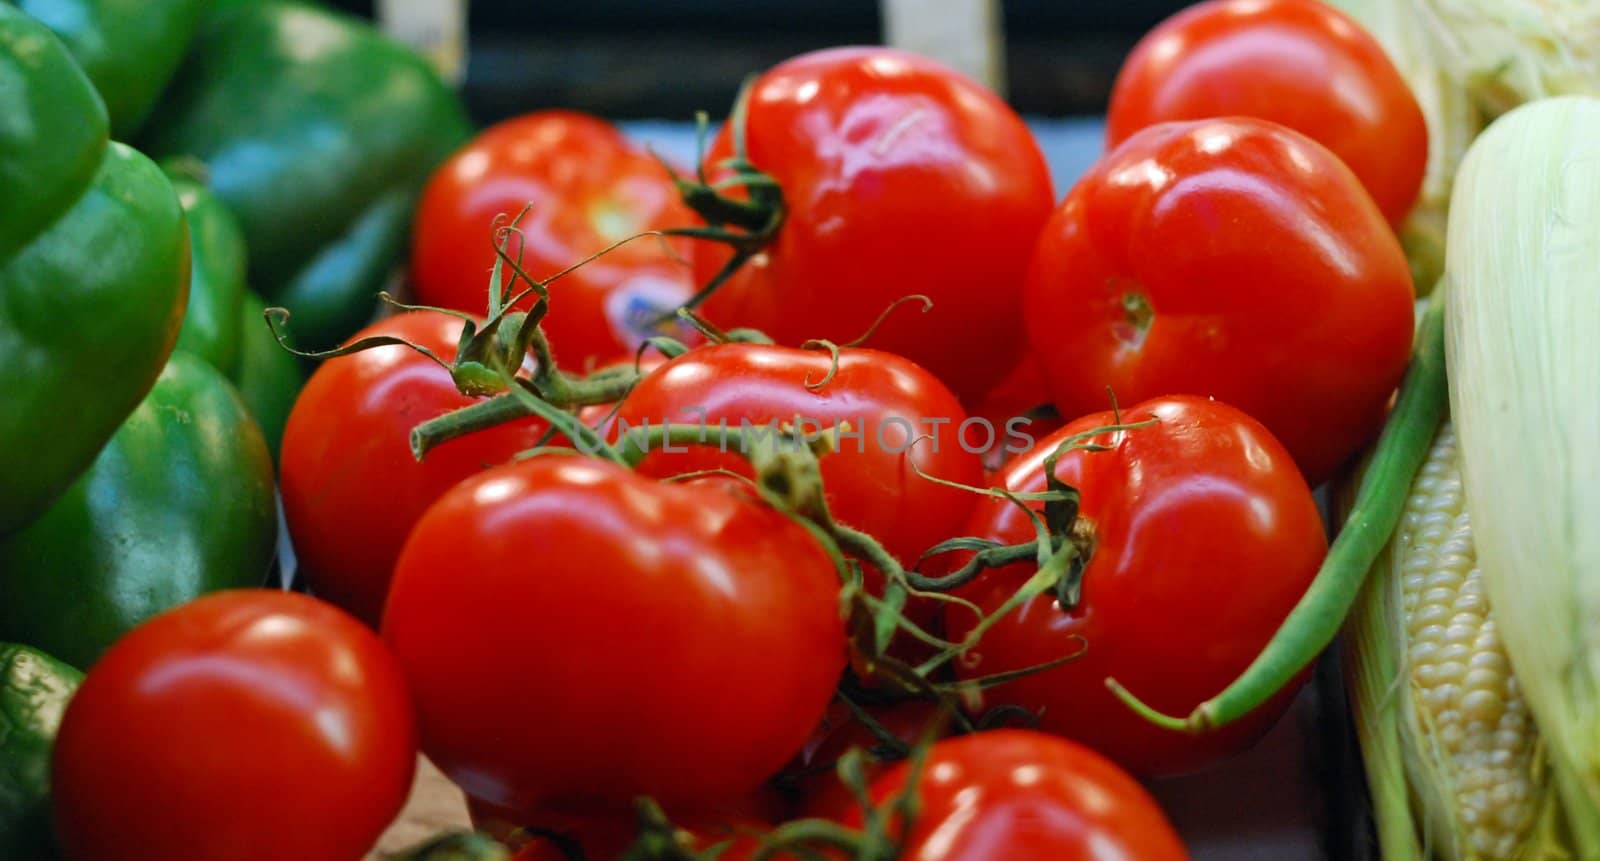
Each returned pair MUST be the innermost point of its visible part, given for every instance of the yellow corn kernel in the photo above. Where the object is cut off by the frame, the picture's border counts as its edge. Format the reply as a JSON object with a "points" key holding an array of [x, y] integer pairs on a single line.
{"points": [[1443, 723]]}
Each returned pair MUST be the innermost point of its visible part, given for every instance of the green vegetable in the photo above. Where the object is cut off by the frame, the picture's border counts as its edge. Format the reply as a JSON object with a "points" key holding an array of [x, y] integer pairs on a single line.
{"points": [[217, 273], [94, 271], [268, 376], [34, 689], [129, 48], [180, 503], [318, 132]]}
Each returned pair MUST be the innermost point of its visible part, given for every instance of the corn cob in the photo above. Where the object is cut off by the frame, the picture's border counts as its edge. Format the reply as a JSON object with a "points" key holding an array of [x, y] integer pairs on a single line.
{"points": [[1444, 729]]}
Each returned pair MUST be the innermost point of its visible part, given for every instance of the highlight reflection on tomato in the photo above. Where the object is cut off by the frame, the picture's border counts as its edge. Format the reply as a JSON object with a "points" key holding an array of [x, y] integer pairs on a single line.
{"points": [[1018, 794], [586, 186], [1232, 258], [1302, 63], [249, 725], [1204, 536], [899, 176], [576, 633]]}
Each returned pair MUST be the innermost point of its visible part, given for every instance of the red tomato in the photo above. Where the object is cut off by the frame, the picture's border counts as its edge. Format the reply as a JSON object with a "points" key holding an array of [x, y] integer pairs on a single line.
{"points": [[899, 176], [351, 489], [243, 725], [1301, 63], [589, 187], [886, 400], [1232, 258], [1204, 537], [1021, 794], [575, 632]]}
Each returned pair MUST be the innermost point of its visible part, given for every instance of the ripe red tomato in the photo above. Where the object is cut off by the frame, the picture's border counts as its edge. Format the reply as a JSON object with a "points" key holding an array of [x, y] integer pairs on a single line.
{"points": [[243, 725], [351, 488], [899, 176], [1301, 63], [575, 632], [1204, 537], [589, 187], [1233, 258], [886, 400], [1022, 794]]}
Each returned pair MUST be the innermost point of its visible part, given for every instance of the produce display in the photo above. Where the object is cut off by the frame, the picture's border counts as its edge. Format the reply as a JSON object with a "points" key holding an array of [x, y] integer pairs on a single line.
{"points": [[849, 492]]}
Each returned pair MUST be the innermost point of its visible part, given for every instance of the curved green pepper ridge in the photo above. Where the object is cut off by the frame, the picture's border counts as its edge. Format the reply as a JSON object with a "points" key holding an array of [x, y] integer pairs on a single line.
{"points": [[180, 503], [211, 325], [129, 49], [318, 132], [268, 376]]}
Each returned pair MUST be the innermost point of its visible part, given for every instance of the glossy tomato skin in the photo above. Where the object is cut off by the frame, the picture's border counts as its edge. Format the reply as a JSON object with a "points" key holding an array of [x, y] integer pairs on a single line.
{"points": [[588, 187], [249, 724], [1232, 258], [351, 488], [1204, 537], [899, 176], [1023, 794], [671, 640], [886, 400], [1302, 63]]}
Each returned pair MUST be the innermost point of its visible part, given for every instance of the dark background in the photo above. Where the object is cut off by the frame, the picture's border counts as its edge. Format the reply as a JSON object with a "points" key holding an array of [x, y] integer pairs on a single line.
{"points": [[666, 59]]}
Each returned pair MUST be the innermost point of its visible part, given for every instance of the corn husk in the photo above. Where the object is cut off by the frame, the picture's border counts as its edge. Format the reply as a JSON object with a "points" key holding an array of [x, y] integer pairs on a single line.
{"points": [[1403, 28], [1507, 52], [1523, 347], [1455, 768]]}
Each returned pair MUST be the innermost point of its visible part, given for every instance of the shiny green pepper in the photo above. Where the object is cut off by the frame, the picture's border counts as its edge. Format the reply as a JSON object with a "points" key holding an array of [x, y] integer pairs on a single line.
{"points": [[318, 132], [180, 503], [34, 690], [94, 271], [217, 271], [129, 48], [268, 376]]}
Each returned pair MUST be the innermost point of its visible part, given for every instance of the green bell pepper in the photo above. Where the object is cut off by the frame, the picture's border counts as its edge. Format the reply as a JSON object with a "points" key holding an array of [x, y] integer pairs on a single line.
{"points": [[268, 376], [180, 503], [211, 327], [34, 690], [129, 48], [318, 132], [94, 271]]}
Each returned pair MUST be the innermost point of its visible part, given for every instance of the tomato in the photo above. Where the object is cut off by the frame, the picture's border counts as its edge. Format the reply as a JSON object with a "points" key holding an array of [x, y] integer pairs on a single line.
{"points": [[1232, 258], [886, 401], [248, 724], [1302, 63], [588, 187], [1204, 536], [1022, 794], [351, 488], [899, 176], [576, 632]]}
